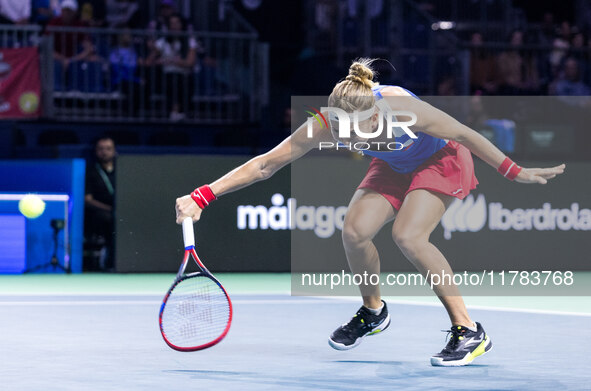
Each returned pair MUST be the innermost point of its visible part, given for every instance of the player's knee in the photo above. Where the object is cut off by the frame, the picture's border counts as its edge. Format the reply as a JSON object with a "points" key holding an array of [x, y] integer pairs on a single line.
{"points": [[406, 240], [354, 237]]}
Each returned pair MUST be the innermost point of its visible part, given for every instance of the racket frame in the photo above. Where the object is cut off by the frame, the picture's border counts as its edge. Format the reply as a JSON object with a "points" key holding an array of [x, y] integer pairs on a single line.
{"points": [[189, 239]]}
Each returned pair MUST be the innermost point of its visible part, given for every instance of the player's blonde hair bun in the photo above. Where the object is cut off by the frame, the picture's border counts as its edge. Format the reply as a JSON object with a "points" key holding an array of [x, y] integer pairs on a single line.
{"points": [[361, 72], [355, 91]]}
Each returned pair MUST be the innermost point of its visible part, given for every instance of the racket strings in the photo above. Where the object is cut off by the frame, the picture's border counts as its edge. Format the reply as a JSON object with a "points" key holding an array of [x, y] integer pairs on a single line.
{"points": [[197, 312]]}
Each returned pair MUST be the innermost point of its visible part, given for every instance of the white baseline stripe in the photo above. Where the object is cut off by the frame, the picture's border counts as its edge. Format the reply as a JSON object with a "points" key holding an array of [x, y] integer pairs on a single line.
{"points": [[127, 294], [141, 302], [474, 307], [287, 300], [76, 303], [529, 311], [499, 309], [44, 197]]}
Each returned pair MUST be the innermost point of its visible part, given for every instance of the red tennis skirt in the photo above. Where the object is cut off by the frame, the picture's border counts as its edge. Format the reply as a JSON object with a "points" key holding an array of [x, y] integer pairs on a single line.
{"points": [[449, 171]]}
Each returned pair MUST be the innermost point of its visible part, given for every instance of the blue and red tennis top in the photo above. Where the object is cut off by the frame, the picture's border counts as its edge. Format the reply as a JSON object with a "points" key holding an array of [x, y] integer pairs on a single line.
{"points": [[415, 151]]}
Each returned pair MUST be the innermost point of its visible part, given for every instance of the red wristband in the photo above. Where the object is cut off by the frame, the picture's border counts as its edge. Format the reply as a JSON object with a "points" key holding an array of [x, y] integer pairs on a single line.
{"points": [[203, 196], [509, 169]]}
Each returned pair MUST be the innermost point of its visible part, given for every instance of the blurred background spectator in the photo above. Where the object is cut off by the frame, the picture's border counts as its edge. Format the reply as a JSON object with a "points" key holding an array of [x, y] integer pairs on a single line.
{"points": [[483, 67], [569, 83], [560, 45], [547, 30], [93, 12], [165, 10], [517, 69], [123, 60], [176, 56], [15, 11], [122, 13], [41, 12], [70, 46]]}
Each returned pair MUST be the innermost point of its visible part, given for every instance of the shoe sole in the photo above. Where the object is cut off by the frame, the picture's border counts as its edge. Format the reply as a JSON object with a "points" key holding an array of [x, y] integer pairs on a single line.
{"points": [[340, 346], [484, 347]]}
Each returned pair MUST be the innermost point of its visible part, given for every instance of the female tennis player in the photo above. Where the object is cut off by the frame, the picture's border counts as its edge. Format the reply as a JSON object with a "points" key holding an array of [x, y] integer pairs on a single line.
{"points": [[412, 185]]}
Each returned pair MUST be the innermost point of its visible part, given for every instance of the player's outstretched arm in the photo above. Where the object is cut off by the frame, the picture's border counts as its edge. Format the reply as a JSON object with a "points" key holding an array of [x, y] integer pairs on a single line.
{"points": [[439, 124], [256, 169]]}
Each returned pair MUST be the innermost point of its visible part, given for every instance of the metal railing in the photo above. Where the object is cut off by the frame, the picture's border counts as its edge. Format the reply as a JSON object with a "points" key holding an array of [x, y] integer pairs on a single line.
{"points": [[91, 74], [16, 36]]}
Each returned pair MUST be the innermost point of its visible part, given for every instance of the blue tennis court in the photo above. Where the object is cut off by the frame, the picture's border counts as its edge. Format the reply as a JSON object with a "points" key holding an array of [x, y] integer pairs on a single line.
{"points": [[92, 332]]}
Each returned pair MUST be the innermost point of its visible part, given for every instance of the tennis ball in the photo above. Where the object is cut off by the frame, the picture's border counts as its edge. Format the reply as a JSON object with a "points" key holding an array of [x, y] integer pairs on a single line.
{"points": [[31, 206], [28, 102]]}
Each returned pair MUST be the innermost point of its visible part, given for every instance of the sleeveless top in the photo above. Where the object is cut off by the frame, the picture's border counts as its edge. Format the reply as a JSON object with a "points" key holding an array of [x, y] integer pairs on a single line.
{"points": [[415, 151]]}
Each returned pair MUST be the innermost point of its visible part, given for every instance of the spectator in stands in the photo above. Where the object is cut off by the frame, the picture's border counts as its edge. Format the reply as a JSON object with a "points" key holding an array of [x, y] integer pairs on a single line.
{"points": [[588, 61], [41, 12], [579, 52], [123, 13], [124, 61], [177, 55], [560, 45], [160, 24], [325, 19], [517, 70], [15, 11], [93, 12], [570, 84], [124, 57], [476, 116], [100, 199], [166, 10], [565, 31], [482, 67], [577, 43], [577, 46], [447, 86], [71, 46], [547, 31]]}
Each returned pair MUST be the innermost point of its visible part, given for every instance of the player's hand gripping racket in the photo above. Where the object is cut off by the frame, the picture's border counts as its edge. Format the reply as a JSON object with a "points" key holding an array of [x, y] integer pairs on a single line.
{"points": [[196, 312]]}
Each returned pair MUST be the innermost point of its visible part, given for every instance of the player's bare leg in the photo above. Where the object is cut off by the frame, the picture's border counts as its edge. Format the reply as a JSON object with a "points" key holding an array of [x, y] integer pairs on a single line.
{"points": [[367, 213], [419, 214]]}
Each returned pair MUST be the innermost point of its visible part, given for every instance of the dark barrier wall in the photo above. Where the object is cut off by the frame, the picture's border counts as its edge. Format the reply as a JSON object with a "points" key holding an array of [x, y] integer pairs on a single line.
{"points": [[148, 240], [503, 225]]}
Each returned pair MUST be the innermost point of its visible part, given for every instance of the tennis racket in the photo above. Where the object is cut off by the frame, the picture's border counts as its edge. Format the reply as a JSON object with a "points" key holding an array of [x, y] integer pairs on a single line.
{"points": [[196, 312]]}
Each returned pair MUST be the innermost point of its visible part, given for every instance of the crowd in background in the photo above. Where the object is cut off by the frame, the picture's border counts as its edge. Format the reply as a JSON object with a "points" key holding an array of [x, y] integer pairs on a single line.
{"points": [[551, 58], [554, 60], [94, 13], [172, 53]]}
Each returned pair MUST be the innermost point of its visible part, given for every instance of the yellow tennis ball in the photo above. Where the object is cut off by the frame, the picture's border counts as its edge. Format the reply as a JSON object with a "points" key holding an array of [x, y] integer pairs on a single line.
{"points": [[28, 102], [31, 206]]}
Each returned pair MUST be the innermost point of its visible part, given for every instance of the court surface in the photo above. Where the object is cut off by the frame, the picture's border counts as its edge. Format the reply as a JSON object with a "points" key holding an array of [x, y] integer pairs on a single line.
{"points": [[100, 332]]}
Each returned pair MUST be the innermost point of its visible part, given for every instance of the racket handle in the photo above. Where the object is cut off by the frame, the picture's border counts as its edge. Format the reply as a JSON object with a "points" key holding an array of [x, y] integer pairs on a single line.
{"points": [[188, 234]]}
